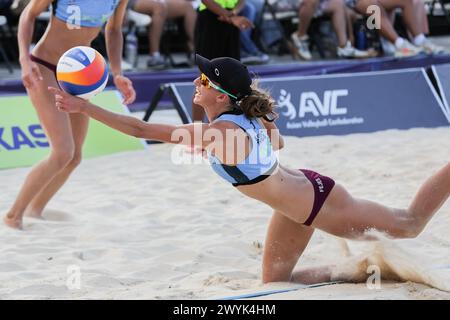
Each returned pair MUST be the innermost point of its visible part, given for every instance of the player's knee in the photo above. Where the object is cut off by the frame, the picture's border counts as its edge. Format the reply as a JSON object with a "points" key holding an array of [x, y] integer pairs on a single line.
{"points": [[76, 160], [406, 233], [407, 227], [62, 157]]}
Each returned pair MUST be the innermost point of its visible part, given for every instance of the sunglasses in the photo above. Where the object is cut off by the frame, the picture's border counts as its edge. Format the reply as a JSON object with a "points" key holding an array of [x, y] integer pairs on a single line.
{"points": [[204, 81]]}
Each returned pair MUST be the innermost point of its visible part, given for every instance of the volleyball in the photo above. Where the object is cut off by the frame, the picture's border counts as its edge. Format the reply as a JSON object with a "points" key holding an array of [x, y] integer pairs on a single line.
{"points": [[82, 72]]}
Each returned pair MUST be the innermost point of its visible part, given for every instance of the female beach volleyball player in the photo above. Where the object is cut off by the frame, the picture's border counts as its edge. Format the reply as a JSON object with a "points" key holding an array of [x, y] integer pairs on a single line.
{"points": [[240, 141], [73, 23]]}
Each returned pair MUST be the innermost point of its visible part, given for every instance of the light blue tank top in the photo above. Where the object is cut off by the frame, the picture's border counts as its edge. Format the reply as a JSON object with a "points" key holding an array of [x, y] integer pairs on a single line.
{"points": [[261, 161], [86, 13]]}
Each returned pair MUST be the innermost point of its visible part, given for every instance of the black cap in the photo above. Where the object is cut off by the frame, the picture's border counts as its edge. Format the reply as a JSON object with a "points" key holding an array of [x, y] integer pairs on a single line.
{"points": [[230, 74]]}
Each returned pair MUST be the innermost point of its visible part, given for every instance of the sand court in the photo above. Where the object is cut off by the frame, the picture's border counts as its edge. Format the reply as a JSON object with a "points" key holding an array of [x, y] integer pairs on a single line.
{"points": [[135, 226]]}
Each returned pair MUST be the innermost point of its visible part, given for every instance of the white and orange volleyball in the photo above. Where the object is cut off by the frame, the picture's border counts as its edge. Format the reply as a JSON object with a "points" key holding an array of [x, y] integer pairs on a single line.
{"points": [[82, 71]]}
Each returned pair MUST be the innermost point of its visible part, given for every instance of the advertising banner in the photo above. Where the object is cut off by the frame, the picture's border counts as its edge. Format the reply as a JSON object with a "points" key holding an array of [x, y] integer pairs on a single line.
{"points": [[442, 76], [23, 141], [348, 103]]}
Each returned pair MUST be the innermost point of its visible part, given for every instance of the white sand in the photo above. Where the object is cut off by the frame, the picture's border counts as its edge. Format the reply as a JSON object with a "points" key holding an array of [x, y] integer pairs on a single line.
{"points": [[139, 227]]}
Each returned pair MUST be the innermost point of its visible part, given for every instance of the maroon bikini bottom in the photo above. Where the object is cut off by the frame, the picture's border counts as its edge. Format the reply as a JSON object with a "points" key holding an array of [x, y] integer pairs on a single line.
{"points": [[322, 187], [46, 64]]}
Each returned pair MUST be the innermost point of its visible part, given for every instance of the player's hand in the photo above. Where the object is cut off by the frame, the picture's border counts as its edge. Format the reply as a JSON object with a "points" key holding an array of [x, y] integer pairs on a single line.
{"points": [[66, 102], [124, 85], [31, 75]]}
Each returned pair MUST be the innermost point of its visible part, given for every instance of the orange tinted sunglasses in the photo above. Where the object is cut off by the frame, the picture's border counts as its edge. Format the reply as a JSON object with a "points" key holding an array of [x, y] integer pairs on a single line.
{"points": [[204, 81]]}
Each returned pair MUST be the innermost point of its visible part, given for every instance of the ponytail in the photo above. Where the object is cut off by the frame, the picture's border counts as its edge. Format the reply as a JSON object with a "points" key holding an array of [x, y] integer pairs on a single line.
{"points": [[258, 104]]}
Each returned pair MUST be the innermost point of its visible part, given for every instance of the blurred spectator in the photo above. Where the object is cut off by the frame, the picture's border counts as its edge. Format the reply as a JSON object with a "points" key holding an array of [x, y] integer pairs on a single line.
{"points": [[160, 10], [217, 34], [352, 18], [218, 26], [415, 19], [157, 9], [270, 34], [360, 36], [250, 53], [309, 9], [184, 9]]}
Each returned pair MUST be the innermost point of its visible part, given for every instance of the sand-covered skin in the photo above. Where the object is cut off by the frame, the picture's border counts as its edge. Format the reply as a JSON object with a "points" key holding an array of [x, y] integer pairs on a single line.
{"points": [[139, 227]]}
